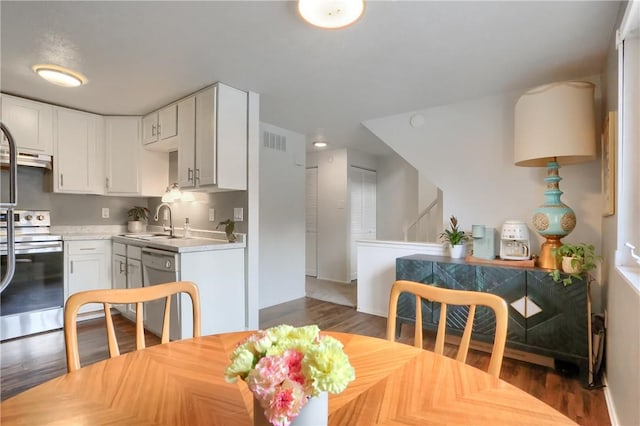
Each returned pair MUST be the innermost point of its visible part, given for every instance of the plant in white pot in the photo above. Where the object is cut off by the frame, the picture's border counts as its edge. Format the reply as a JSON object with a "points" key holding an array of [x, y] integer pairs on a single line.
{"points": [[137, 219], [456, 239], [574, 260]]}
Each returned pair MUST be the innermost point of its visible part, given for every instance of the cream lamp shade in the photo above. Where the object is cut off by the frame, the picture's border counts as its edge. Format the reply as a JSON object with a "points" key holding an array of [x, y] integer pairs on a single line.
{"points": [[556, 122]]}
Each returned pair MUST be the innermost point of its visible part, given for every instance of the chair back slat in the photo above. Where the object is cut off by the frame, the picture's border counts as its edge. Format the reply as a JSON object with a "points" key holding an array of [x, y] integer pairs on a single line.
{"points": [[452, 297], [135, 296]]}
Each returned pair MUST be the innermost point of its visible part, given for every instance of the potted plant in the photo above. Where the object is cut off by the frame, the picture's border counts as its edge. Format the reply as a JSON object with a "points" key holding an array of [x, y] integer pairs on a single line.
{"points": [[138, 217], [456, 239], [574, 260], [229, 226]]}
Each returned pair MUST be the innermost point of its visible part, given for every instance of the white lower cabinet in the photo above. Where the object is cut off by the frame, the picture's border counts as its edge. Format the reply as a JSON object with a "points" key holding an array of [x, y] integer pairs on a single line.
{"points": [[126, 272], [87, 268], [119, 275], [219, 275]]}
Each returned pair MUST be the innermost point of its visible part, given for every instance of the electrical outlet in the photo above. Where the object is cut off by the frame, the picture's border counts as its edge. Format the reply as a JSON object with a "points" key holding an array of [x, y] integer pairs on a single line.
{"points": [[105, 212], [212, 214], [238, 214]]}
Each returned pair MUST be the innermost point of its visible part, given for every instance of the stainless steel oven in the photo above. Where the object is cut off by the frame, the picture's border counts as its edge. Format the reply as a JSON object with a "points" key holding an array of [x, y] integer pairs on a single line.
{"points": [[34, 299]]}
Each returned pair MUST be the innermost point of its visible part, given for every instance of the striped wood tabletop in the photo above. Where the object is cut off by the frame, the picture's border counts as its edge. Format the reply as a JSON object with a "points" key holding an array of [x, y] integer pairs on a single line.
{"points": [[182, 383]]}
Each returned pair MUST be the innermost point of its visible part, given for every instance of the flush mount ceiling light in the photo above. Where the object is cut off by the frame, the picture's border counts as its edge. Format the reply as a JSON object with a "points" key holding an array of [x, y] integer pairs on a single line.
{"points": [[319, 140], [59, 75], [331, 14]]}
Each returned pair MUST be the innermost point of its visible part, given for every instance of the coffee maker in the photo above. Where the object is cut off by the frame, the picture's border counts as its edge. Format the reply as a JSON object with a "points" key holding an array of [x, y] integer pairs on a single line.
{"points": [[514, 241], [484, 242]]}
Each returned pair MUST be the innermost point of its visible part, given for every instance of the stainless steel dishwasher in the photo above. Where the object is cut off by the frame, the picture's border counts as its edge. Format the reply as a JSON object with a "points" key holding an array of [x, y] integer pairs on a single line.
{"points": [[159, 267]]}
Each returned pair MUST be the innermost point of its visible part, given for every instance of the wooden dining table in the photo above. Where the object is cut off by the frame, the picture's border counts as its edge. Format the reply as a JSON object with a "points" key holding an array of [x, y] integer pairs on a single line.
{"points": [[182, 383]]}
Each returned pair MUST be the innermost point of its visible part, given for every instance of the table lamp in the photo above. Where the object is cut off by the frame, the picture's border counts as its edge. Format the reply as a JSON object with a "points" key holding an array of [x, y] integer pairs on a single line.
{"points": [[554, 125]]}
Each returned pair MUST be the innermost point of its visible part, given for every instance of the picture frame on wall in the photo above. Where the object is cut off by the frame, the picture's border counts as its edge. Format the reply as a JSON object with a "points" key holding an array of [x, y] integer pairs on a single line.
{"points": [[609, 145]]}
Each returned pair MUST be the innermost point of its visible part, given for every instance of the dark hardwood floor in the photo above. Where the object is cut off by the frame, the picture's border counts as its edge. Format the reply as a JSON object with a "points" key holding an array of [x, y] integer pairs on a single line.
{"points": [[26, 362]]}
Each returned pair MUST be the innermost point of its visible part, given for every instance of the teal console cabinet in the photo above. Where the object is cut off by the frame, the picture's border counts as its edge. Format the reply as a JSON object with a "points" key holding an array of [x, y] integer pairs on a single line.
{"points": [[545, 317]]}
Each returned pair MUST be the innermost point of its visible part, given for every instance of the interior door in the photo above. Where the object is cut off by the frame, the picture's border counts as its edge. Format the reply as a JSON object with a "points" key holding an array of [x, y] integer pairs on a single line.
{"points": [[311, 250], [362, 184]]}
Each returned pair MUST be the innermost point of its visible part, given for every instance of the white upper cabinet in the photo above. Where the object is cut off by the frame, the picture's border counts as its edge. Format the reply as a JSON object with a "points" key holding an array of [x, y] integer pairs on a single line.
{"points": [[122, 141], [160, 129], [187, 143], [150, 128], [30, 123], [78, 151], [131, 170], [217, 158]]}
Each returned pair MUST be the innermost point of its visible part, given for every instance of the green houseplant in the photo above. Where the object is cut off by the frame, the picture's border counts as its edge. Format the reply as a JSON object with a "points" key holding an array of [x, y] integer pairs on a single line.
{"points": [[138, 216], [455, 237], [574, 260], [229, 226]]}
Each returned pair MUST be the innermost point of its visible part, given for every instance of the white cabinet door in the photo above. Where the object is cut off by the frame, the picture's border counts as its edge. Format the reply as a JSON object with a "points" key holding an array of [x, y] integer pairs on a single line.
{"points": [[221, 138], [168, 122], [134, 279], [231, 138], [150, 128], [119, 276], [205, 150], [87, 268], [30, 123], [186, 145], [122, 145], [75, 152]]}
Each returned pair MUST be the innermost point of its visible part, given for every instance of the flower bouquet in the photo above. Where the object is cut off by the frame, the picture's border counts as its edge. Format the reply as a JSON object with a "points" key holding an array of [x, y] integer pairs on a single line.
{"points": [[285, 367]]}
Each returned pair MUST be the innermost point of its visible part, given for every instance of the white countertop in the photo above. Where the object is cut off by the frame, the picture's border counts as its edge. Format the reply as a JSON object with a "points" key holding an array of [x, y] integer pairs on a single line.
{"points": [[181, 245], [201, 240]]}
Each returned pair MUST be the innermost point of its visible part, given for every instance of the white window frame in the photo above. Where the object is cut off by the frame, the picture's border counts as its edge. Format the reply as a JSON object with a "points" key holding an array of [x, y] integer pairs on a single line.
{"points": [[628, 157]]}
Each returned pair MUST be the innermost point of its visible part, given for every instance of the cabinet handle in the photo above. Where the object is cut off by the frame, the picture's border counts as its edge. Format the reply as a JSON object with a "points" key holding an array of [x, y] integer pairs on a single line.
{"points": [[196, 178], [190, 174], [107, 182], [71, 266], [158, 129], [153, 130], [87, 248], [122, 268], [61, 180]]}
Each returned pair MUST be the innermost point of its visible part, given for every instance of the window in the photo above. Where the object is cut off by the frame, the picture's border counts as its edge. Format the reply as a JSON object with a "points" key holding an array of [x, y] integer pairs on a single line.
{"points": [[629, 135]]}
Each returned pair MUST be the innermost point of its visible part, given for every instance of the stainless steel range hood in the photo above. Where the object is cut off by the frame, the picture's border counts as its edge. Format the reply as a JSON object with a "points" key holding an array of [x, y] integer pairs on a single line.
{"points": [[25, 159]]}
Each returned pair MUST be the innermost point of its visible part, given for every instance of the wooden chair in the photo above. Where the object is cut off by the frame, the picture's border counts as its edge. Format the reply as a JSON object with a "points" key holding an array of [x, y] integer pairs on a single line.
{"points": [[116, 296], [452, 297]]}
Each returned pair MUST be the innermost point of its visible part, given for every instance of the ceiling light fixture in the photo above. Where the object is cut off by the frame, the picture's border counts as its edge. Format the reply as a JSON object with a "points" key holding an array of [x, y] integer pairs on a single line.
{"points": [[59, 75], [331, 14], [319, 140]]}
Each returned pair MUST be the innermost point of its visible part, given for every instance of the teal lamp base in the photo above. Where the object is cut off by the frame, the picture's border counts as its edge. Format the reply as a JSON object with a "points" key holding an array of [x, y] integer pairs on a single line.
{"points": [[553, 219]]}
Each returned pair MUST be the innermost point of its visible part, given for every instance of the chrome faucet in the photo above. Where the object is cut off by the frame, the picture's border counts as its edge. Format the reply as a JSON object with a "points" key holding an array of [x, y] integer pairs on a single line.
{"points": [[170, 229]]}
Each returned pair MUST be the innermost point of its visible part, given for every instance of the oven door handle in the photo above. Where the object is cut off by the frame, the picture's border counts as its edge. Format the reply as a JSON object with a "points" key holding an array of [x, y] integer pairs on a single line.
{"points": [[32, 248]]}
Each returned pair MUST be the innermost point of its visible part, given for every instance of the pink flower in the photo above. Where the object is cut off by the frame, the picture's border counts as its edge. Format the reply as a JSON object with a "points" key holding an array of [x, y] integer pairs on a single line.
{"points": [[285, 402]]}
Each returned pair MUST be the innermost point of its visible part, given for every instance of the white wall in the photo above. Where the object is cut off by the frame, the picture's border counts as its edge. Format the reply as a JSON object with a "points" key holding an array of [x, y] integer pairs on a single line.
{"points": [[466, 149], [397, 198], [281, 219]]}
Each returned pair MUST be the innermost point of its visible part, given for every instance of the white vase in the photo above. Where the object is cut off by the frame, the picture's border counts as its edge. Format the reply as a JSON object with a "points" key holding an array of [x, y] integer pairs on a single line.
{"points": [[136, 226], [459, 251], [571, 267], [314, 413]]}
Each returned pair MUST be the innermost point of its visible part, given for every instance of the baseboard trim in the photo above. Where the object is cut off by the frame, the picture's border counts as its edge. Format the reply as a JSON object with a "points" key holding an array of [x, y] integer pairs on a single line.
{"points": [[608, 399]]}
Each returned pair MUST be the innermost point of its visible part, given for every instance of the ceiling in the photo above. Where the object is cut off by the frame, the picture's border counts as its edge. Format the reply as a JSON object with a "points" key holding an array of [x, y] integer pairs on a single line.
{"points": [[401, 56]]}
